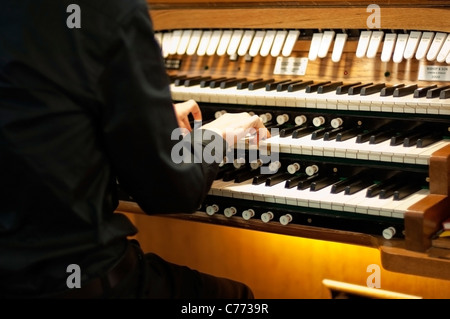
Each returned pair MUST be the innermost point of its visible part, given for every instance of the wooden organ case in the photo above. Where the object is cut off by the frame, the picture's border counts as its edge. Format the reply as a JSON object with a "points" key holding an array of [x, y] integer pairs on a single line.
{"points": [[360, 95]]}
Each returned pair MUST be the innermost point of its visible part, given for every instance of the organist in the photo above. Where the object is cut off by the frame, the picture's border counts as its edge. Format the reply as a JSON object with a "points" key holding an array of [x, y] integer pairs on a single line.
{"points": [[81, 107]]}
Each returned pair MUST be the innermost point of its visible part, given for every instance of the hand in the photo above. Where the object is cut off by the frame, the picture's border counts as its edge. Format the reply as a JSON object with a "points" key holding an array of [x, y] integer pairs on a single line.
{"points": [[182, 111], [234, 127]]}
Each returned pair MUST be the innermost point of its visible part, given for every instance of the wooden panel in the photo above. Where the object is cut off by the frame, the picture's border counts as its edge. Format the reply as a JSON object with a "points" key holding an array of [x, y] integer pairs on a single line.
{"points": [[274, 265], [315, 3], [440, 171], [408, 18], [423, 219]]}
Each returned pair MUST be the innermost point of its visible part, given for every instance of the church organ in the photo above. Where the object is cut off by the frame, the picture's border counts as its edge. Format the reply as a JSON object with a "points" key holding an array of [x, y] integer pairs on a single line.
{"points": [[358, 98]]}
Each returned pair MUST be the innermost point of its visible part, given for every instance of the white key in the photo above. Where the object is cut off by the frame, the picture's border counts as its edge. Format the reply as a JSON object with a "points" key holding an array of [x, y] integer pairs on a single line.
{"points": [[175, 41], [224, 42], [400, 45], [424, 45], [214, 42], [338, 48], [315, 46], [257, 43], [166, 41], [363, 43], [327, 38], [445, 50], [193, 42], [266, 46], [184, 41], [158, 38], [234, 42], [374, 44], [388, 47], [413, 43], [278, 43], [289, 44], [447, 60], [245, 42], [436, 46], [204, 41]]}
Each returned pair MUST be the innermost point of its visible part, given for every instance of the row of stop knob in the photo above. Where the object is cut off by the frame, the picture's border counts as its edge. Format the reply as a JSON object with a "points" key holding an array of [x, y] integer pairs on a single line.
{"points": [[248, 214], [284, 118]]}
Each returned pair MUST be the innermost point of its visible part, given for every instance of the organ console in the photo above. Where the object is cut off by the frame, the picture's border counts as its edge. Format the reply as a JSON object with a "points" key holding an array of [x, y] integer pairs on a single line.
{"points": [[357, 97]]}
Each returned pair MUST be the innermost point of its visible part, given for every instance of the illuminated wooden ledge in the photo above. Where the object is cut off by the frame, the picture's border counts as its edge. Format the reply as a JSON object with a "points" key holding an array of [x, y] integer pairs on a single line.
{"points": [[394, 256]]}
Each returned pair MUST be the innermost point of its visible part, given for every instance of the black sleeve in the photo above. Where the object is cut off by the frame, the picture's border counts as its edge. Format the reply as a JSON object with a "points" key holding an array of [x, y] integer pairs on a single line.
{"points": [[139, 126]]}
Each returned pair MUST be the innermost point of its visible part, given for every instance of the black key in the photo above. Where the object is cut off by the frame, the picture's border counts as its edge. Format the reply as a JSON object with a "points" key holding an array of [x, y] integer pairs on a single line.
{"points": [[372, 89], [259, 179], [230, 83], [348, 134], [181, 81], [287, 131], [313, 87], [303, 131], [429, 139], [323, 182], [246, 175], [381, 136], [390, 189], [207, 82], [298, 86], [319, 133], [294, 180], [285, 86], [389, 90], [332, 134], [357, 186], [433, 93], [328, 87], [387, 184], [354, 90], [343, 183], [343, 89], [407, 190], [422, 92], [405, 90], [412, 139], [306, 183], [195, 81], [230, 175], [277, 178], [445, 94], [399, 138], [273, 85], [216, 83], [174, 78], [245, 84], [223, 170], [259, 84]]}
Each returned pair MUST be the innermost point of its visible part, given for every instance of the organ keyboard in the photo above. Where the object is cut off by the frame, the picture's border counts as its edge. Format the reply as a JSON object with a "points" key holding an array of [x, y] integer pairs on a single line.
{"points": [[362, 113]]}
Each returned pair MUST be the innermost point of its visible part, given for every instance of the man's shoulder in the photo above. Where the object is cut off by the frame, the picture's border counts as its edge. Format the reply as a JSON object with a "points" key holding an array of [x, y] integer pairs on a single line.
{"points": [[113, 9]]}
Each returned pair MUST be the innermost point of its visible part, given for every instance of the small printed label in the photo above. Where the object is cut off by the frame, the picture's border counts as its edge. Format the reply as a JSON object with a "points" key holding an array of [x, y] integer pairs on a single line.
{"points": [[172, 64], [434, 73], [290, 66]]}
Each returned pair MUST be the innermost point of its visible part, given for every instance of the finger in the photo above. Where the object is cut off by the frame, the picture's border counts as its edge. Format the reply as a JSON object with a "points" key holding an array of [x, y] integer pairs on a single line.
{"points": [[195, 110]]}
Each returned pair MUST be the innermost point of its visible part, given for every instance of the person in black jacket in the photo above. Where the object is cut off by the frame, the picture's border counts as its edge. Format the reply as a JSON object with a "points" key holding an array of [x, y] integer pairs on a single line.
{"points": [[85, 103]]}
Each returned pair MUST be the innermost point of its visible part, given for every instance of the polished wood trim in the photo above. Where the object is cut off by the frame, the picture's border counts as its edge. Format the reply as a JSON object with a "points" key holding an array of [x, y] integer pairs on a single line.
{"points": [[394, 254], [408, 18], [295, 3], [440, 171], [423, 219]]}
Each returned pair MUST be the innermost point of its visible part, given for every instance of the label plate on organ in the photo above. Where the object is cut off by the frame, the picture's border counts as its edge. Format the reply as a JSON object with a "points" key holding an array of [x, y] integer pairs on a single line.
{"points": [[290, 66], [434, 73]]}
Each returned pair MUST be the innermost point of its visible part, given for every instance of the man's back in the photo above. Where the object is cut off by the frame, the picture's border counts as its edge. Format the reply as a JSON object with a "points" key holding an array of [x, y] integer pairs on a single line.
{"points": [[57, 186]]}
